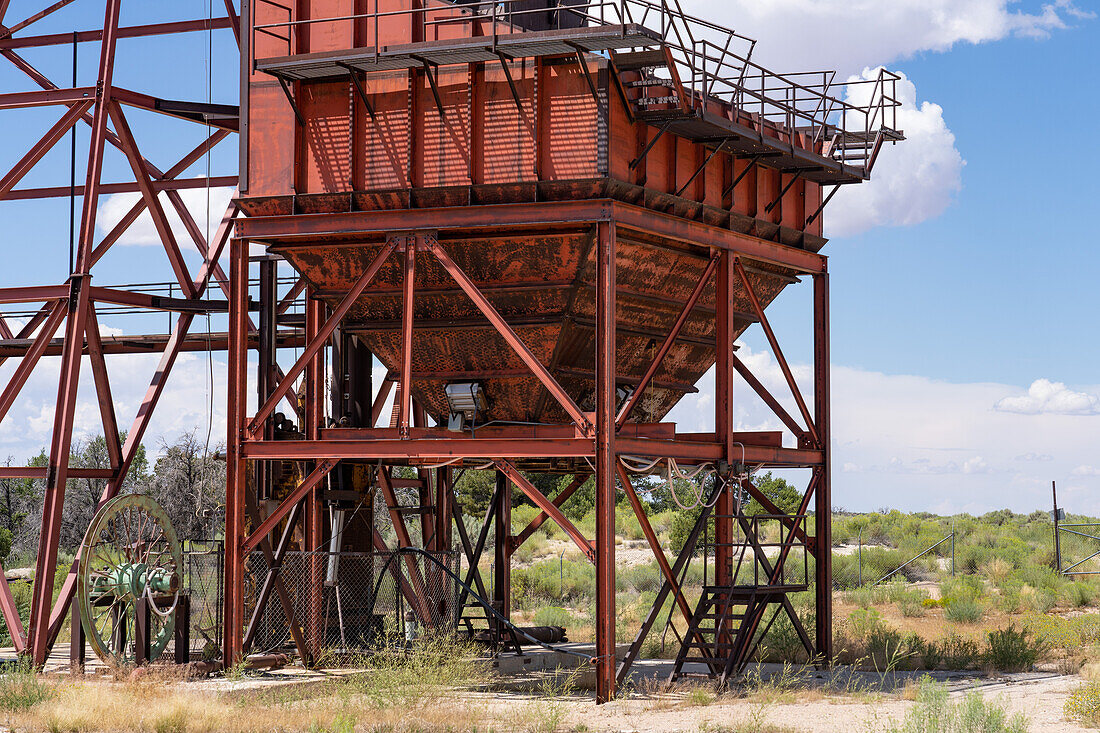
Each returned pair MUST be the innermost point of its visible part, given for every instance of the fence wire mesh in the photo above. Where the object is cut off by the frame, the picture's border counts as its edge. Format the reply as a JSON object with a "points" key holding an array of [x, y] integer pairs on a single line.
{"points": [[353, 602], [203, 576]]}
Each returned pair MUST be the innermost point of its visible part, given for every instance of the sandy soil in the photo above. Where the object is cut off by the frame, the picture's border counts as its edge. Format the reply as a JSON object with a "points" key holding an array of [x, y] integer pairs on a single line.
{"points": [[1040, 699]]}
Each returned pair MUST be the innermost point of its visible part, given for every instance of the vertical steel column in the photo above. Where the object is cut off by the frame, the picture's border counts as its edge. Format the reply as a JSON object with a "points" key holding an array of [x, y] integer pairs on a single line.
{"points": [[823, 517], [236, 466], [605, 462], [407, 296], [265, 368], [313, 418], [502, 555], [38, 640], [723, 413]]}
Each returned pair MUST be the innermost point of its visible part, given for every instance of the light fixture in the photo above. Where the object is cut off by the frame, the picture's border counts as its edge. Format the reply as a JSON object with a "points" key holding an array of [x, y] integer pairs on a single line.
{"points": [[465, 400]]}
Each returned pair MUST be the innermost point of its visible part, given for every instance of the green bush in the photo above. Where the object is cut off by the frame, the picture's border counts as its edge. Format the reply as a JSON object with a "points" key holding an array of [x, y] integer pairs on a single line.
{"points": [[1078, 594], [963, 611], [1064, 633], [935, 713], [682, 524], [554, 616], [952, 652], [1011, 650]]}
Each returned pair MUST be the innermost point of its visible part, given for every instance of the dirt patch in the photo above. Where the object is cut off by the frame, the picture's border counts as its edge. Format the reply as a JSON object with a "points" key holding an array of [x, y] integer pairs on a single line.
{"points": [[1040, 699]]}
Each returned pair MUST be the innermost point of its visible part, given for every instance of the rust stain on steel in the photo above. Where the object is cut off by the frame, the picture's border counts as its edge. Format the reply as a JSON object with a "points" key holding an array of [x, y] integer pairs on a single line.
{"points": [[544, 287]]}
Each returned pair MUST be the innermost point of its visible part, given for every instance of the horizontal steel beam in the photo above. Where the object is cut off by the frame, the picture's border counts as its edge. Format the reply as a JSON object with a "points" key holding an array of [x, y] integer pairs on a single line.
{"points": [[174, 184], [420, 449], [157, 302], [33, 293], [43, 97], [477, 448], [33, 472], [133, 31], [152, 344], [312, 227]]}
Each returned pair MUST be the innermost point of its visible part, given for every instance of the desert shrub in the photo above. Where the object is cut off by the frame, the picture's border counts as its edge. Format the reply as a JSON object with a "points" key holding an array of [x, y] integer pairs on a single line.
{"points": [[867, 596], [1078, 594], [1010, 650], [682, 523], [963, 611], [782, 642], [21, 689], [952, 652], [1064, 633], [934, 712], [1034, 599], [545, 581], [910, 601], [436, 663], [962, 587], [889, 649], [864, 622], [997, 570], [639, 578], [877, 563], [554, 616], [1009, 599], [1083, 705]]}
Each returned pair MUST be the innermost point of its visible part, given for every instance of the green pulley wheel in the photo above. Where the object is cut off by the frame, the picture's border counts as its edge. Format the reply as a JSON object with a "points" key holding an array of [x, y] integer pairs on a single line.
{"points": [[130, 552]]}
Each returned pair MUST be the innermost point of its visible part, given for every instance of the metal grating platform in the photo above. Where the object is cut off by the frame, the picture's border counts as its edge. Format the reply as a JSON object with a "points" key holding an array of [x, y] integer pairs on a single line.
{"points": [[523, 44]]}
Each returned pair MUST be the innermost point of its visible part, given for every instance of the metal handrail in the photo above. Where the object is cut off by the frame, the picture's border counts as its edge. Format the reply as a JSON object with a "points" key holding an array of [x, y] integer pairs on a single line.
{"points": [[709, 71]]}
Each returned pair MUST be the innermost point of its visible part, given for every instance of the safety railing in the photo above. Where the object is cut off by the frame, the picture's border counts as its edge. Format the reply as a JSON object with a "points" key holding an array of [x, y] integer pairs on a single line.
{"points": [[846, 120], [763, 548]]}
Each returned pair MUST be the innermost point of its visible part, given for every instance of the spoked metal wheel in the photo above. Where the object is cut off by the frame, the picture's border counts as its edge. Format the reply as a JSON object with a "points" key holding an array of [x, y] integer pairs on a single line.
{"points": [[130, 552]]}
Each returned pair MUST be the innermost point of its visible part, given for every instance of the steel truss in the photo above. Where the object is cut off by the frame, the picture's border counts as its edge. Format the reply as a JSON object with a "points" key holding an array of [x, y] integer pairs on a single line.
{"points": [[592, 442], [77, 302]]}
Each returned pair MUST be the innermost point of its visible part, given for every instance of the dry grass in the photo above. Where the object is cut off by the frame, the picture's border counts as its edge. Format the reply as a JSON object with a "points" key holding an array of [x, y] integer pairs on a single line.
{"points": [[101, 705]]}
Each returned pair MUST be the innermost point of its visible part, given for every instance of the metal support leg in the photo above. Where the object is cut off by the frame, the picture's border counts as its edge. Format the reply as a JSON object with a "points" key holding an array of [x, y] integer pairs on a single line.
{"points": [[236, 465], [605, 463], [141, 631], [315, 386], [77, 651], [502, 556], [823, 497], [181, 634], [723, 415]]}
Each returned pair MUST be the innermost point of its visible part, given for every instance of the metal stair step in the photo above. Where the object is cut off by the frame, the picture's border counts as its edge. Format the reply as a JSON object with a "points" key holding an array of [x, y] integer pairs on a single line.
{"points": [[636, 60], [644, 101]]}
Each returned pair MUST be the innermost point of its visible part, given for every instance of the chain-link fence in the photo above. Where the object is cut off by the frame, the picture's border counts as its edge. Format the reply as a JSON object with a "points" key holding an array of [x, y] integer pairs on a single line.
{"points": [[856, 564], [203, 577], [353, 602]]}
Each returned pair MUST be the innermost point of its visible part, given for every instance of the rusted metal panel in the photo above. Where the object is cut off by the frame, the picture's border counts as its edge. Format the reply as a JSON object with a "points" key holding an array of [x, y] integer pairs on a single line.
{"points": [[544, 286], [568, 124], [325, 163]]}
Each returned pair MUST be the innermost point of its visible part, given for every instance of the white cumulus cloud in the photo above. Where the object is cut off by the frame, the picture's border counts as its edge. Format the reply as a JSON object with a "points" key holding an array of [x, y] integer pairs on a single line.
{"points": [[1045, 396], [916, 443], [143, 233], [797, 35], [912, 181], [916, 180]]}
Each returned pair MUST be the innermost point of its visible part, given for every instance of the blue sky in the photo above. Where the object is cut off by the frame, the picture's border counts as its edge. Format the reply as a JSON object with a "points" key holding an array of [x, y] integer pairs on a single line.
{"points": [[963, 301]]}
